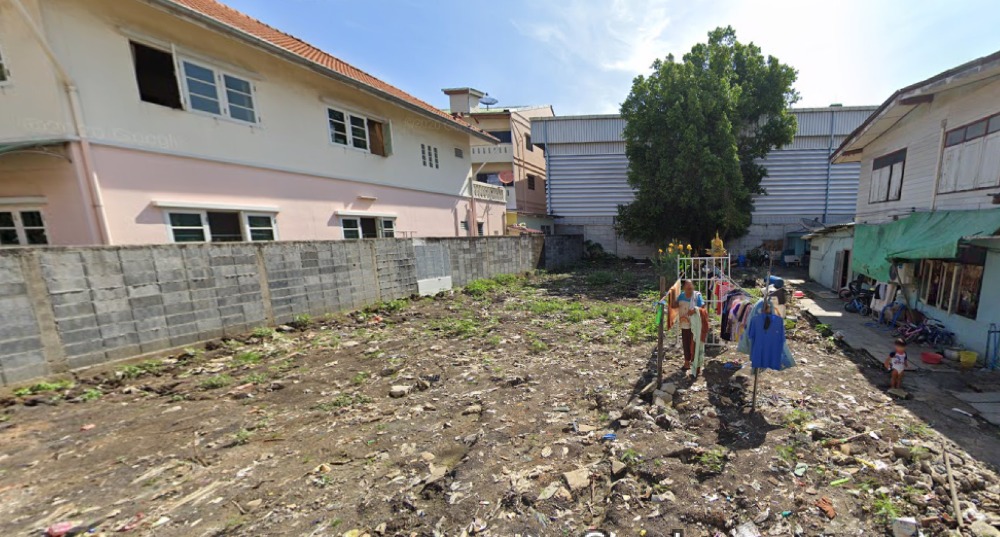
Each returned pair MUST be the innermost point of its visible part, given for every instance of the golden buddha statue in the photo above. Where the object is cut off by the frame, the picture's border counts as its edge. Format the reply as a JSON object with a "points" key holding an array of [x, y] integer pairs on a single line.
{"points": [[718, 249]]}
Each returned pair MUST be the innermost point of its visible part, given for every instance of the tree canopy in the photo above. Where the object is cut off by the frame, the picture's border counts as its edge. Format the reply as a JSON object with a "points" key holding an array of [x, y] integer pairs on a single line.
{"points": [[694, 129]]}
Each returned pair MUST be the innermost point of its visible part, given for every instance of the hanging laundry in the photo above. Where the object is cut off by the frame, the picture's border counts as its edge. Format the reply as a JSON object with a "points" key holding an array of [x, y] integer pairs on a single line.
{"points": [[671, 299], [699, 331], [767, 341], [747, 345]]}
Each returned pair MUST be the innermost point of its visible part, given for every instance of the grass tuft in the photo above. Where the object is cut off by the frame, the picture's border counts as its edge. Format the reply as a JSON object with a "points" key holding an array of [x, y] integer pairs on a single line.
{"points": [[216, 381], [43, 387]]}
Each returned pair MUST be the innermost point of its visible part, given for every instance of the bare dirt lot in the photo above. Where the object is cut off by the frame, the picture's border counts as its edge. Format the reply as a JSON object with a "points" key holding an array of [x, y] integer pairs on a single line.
{"points": [[481, 413]]}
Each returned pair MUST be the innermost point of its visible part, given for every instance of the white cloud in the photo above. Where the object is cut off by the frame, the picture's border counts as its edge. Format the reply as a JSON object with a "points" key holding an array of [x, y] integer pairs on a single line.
{"points": [[854, 52], [623, 35]]}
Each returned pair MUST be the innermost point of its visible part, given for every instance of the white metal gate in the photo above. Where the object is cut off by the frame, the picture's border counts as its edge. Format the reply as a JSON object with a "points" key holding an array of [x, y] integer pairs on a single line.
{"points": [[705, 273]]}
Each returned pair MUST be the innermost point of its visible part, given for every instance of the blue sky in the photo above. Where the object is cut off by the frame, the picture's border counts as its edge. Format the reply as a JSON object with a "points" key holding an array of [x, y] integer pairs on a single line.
{"points": [[581, 55]]}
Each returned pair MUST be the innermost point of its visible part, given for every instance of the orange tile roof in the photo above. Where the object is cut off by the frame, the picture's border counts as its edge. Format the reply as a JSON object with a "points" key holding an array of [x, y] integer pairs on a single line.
{"points": [[256, 29]]}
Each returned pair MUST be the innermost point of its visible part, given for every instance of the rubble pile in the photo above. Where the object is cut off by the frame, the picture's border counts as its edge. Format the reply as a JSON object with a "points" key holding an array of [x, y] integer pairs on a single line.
{"points": [[527, 408]]}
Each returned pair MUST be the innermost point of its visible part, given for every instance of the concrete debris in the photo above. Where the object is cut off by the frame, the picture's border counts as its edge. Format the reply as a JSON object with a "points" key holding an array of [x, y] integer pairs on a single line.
{"points": [[906, 527], [981, 528], [400, 391], [618, 468], [577, 479], [474, 414]]}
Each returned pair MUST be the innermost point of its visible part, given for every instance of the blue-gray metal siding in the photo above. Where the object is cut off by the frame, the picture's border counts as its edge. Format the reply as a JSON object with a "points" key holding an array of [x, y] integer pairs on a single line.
{"points": [[796, 185], [587, 168], [588, 185], [577, 130]]}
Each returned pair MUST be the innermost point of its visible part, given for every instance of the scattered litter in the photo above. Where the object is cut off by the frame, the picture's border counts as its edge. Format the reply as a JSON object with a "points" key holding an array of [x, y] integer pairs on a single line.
{"points": [[906, 527], [63, 529], [747, 529], [826, 505]]}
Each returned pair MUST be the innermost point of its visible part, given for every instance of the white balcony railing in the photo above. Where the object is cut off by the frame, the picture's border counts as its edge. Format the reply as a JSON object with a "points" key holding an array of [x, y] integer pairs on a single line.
{"points": [[483, 191], [492, 153]]}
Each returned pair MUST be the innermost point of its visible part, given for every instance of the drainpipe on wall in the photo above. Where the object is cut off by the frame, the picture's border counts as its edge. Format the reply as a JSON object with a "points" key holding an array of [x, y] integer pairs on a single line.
{"points": [[829, 170], [545, 155], [473, 227], [89, 183]]}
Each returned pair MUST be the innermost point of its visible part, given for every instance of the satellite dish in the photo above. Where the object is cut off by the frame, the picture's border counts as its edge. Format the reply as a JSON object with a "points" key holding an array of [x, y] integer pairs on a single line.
{"points": [[507, 177], [488, 101]]}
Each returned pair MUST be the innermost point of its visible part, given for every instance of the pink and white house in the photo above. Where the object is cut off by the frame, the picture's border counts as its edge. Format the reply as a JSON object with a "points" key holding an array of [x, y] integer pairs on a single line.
{"points": [[156, 121]]}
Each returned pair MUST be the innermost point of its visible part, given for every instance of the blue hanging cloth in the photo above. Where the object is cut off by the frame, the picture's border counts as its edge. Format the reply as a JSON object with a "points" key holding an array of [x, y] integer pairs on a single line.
{"points": [[760, 343]]}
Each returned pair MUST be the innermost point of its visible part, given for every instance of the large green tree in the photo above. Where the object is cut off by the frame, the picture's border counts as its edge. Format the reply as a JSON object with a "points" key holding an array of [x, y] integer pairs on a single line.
{"points": [[694, 130]]}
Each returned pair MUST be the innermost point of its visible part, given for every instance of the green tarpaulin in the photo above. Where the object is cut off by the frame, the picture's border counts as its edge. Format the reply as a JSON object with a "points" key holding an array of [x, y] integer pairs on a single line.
{"points": [[934, 235]]}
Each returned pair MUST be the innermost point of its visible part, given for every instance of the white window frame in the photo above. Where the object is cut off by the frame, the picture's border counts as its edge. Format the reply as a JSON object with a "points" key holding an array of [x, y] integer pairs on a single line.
{"points": [[19, 227], [379, 226], [207, 229], [245, 215], [344, 228], [5, 71], [382, 228], [347, 125], [222, 96], [973, 161]]}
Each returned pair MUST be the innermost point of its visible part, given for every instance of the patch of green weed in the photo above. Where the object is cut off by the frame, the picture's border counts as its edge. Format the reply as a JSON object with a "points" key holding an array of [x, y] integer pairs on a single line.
{"points": [[786, 453], [301, 321], [457, 328], [630, 457], [91, 394], [885, 509], [600, 277], [920, 430], [43, 387], [359, 378], [344, 400], [216, 381], [257, 378], [263, 332], [241, 437], [481, 288], [797, 418], [249, 358], [712, 460]]}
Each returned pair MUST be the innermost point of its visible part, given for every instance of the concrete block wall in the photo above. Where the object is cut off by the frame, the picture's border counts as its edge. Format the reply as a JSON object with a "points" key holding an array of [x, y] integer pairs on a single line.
{"points": [[21, 350], [562, 251], [601, 229], [63, 309]]}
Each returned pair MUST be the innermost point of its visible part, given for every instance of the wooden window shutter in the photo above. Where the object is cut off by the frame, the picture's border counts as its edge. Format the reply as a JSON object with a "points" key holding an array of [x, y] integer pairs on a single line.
{"points": [[376, 138]]}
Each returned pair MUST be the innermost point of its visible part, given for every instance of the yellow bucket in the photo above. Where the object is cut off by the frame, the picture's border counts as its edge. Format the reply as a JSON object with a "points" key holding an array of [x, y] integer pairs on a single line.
{"points": [[968, 358]]}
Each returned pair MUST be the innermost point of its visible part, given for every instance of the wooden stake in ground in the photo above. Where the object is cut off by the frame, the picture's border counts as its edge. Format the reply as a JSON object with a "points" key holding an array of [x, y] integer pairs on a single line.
{"points": [[767, 302], [951, 485], [659, 339]]}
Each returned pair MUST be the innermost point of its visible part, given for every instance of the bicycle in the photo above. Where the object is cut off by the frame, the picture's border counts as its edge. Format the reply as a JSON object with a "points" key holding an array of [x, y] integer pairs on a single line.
{"points": [[936, 333], [853, 288], [860, 302], [930, 331]]}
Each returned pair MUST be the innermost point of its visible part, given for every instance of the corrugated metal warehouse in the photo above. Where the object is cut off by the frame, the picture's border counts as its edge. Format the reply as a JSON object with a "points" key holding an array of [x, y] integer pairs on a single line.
{"points": [[587, 168]]}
